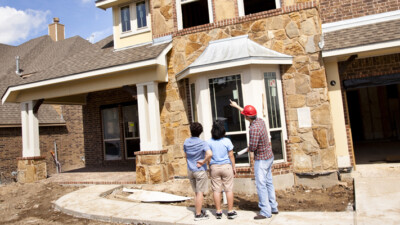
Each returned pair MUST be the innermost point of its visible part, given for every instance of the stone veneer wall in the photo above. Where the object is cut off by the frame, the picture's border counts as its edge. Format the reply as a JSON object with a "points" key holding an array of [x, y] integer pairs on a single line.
{"points": [[294, 31], [163, 16], [31, 169], [151, 167]]}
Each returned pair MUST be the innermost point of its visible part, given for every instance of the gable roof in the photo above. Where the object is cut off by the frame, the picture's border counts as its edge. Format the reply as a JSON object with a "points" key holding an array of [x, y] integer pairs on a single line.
{"points": [[42, 59]]}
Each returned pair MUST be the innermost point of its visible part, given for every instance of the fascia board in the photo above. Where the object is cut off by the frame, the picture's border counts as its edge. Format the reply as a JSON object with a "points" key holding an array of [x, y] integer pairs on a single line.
{"points": [[363, 48], [79, 76]]}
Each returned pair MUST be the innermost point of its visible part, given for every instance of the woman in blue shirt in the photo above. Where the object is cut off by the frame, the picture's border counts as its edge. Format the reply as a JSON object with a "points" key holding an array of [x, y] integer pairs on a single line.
{"points": [[222, 168]]}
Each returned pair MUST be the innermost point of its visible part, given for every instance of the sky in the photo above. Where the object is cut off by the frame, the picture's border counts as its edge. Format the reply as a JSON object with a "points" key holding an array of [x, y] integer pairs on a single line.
{"points": [[23, 20]]}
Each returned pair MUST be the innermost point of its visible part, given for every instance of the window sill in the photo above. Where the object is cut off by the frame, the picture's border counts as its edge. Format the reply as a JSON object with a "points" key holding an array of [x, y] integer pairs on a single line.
{"points": [[131, 33]]}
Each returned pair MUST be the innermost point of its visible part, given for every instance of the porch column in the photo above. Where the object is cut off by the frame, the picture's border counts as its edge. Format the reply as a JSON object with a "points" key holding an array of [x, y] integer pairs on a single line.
{"points": [[204, 106], [31, 166], [30, 130], [338, 123], [149, 117]]}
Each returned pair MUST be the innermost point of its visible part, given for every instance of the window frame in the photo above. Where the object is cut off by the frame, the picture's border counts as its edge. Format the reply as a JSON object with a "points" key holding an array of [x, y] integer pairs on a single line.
{"points": [[133, 19], [253, 72], [179, 18], [282, 128], [241, 11]]}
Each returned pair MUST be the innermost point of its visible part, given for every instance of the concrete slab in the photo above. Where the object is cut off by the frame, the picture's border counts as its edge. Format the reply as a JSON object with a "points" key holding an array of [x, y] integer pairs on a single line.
{"points": [[377, 194], [325, 218]]}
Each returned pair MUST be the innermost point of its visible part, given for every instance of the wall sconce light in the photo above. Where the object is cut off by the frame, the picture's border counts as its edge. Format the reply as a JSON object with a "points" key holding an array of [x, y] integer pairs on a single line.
{"points": [[333, 83]]}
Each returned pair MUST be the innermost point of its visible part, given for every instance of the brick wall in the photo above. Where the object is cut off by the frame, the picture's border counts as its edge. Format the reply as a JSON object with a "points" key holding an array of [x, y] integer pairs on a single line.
{"points": [[69, 141], [337, 10], [94, 151]]}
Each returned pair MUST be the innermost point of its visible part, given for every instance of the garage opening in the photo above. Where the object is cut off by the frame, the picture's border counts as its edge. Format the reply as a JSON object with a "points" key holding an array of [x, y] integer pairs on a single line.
{"points": [[374, 113]]}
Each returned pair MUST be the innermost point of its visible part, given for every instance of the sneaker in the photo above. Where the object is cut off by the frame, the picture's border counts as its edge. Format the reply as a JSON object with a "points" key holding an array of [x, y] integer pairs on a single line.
{"points": [[276, 212], [218, 215], [232, 215], [260, 217], [202, 216]]}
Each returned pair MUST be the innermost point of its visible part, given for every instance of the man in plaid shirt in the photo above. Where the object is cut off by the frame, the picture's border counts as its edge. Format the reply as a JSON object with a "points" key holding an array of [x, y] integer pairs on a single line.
{"points": [[263, 158]]}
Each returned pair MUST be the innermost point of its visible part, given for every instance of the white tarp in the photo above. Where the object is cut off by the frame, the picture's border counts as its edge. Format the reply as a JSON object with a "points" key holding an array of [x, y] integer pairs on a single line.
{"points": [[153, 196]]}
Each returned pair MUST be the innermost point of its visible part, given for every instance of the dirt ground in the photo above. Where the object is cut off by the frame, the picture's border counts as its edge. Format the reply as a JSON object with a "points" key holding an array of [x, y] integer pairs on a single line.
{"points": [[33, 203], [333, 199]]}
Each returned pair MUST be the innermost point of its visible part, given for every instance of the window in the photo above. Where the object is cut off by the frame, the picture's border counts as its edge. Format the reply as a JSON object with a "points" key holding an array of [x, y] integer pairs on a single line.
{"points": [[112, 137], [193, 102], [134, 17], [247, 7], [125, 19], [274, 114], [222, 89], [111, 133], [192, 13]]}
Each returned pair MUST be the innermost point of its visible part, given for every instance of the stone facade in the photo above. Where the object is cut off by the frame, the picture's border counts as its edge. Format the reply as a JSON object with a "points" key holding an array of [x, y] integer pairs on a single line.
{"points": [[31, 169], [295, 33], [152, 167], [163, 13]]}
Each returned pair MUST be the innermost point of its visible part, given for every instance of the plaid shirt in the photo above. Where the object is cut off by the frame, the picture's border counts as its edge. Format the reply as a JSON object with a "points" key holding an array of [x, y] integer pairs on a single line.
{"points": [[259, 142]]}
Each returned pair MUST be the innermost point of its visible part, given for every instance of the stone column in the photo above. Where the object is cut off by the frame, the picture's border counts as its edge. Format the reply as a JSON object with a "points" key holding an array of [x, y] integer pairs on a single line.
{"points": [[151, 167], [31, 169], [31, 166]]}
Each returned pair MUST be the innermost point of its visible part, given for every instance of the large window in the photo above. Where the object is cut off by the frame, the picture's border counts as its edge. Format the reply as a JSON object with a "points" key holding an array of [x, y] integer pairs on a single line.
{"points": [[247, 7], [134, 17], [274, 114], [192, 13], [222, 89], [112, 117]]}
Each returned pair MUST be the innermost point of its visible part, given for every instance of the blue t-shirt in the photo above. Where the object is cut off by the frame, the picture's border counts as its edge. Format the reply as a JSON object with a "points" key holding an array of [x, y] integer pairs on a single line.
{"points": [[220, 149], [195, 150]]}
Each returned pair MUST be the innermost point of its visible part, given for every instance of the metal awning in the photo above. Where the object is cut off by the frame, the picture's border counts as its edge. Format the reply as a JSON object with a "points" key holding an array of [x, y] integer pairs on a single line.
{"points": [[233, 52]]}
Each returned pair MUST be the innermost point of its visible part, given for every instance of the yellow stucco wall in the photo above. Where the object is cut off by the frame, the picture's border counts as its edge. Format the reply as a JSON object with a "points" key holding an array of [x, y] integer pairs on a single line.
{"points": [[131, 38]]}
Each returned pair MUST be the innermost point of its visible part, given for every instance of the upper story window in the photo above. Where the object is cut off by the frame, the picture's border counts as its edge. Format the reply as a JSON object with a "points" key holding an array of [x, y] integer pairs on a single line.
{"points": [[247, 7], [135, 17], [192, 13]]}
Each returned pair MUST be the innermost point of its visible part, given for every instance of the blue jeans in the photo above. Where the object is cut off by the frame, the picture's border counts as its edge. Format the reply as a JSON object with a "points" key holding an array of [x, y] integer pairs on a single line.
{"points": [[265, 187]]}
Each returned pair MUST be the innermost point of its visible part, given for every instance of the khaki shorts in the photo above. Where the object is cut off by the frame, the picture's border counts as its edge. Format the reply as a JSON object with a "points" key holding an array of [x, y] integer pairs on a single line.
{"points": [[198, 180], [222, 177]]}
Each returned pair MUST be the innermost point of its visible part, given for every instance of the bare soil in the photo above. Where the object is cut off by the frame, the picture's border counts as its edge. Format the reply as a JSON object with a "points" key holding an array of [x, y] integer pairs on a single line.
{"points": [[33, 203], [333, 199]]}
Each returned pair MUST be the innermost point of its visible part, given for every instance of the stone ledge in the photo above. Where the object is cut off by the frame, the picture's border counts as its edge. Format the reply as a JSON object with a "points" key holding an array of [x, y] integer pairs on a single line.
{"points": [[31, 158], [151, 152]]}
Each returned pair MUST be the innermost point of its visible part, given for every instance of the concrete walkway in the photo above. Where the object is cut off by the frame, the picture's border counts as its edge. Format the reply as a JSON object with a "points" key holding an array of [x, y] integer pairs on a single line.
{"points": [[377, 202]]}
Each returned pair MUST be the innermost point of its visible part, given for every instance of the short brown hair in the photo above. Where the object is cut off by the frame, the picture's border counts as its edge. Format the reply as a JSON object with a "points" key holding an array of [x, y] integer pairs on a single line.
{"points": [[196, 129]]}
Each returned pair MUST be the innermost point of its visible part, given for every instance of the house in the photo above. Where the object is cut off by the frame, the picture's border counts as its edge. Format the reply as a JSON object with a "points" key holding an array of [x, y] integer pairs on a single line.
{"points": [[59, 126], [172, 62]]}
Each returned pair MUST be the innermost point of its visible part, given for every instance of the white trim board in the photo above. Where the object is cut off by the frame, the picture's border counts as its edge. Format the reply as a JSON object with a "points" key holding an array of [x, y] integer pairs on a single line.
{"points": [[361, 21], [362, 48], [160, 59]]}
